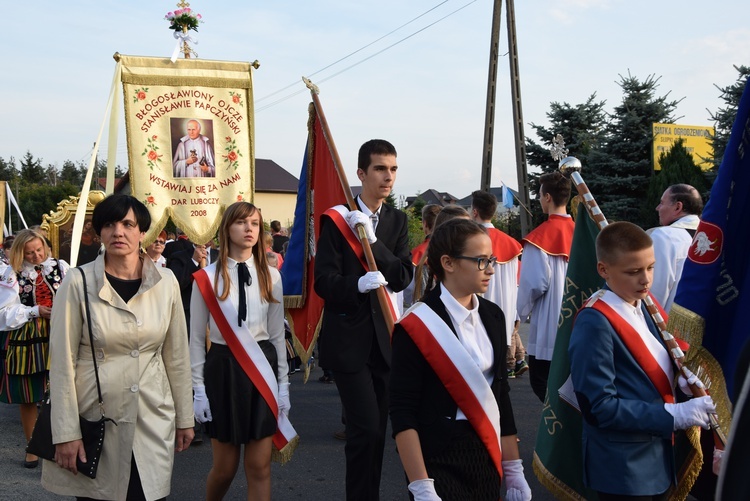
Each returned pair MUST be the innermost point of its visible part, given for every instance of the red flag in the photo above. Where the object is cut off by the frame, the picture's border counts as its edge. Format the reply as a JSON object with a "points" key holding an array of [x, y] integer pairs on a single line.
{"points": [[319, 190]]}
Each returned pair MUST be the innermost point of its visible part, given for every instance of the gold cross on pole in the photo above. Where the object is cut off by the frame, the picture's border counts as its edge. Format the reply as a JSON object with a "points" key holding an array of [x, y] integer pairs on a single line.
{"points": [[182, 4]]}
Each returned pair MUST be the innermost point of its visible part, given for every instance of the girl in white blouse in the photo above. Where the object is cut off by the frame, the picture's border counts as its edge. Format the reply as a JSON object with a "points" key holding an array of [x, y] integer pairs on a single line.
{"points": [[246, 297]]}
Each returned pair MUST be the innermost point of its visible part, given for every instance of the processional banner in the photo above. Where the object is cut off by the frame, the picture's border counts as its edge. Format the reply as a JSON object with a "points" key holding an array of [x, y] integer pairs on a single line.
{"points": [[191, 139]]}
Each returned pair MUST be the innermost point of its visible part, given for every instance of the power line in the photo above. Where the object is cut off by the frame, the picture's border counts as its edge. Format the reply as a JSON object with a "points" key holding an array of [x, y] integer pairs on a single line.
{"points": [[296, 82], [361, 61]]}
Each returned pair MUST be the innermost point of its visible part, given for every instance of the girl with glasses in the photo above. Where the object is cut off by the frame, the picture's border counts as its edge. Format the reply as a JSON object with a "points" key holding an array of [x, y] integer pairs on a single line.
{"points": [[449, 405]]}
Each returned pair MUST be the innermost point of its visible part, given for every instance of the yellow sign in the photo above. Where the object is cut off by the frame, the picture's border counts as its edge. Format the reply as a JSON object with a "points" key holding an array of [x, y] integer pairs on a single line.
{"points": [[696, 139], [190, 135]]}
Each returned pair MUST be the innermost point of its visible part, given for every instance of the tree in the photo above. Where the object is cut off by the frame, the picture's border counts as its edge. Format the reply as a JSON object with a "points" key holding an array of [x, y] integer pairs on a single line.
{"points": [[32, 171], [582, 127], [417, 207], [677, 166], [724, 117], [8, 170], [620, 171], [70, 173], [390, 200], [35, 200]]}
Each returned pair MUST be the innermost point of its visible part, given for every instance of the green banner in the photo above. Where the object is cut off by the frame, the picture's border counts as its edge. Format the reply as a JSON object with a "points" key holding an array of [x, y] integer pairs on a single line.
{"points": [[558, 460]]}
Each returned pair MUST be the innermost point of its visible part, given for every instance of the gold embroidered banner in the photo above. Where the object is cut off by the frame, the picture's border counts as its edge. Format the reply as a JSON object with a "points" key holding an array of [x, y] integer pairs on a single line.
{"points": [[191, 139]]}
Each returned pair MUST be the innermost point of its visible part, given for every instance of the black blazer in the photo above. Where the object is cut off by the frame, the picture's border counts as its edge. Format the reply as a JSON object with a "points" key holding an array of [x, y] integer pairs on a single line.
{"points": [[181, 244], [351, 319], [418, 399], [182, 265]]}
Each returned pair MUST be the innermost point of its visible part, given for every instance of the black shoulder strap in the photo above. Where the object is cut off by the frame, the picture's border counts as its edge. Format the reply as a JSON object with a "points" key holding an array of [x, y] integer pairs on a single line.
{"points": [[91, 339]]}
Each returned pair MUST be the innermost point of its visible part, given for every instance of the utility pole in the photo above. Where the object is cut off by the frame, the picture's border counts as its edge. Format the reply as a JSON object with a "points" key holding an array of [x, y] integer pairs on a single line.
{"points": [[489, 116], [520, 138], [489, 121]]}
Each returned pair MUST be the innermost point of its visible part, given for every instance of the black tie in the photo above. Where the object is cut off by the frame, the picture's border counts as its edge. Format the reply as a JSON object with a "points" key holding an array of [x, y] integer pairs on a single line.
{"points": [[243, 274]]}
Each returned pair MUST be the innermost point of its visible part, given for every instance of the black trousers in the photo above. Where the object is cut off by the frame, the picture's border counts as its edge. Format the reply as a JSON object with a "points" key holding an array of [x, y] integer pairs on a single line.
{"points": [[135, 488], [364, 396], [538, 375]]}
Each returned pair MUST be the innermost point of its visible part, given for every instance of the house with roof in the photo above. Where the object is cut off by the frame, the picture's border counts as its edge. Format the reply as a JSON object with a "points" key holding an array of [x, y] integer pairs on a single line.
{"points": [[441, 198]]}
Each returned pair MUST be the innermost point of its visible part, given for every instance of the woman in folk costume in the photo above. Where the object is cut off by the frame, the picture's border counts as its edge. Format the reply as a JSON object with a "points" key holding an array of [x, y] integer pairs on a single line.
{"points": [[450, 409], [241, 385], [27, 289]]}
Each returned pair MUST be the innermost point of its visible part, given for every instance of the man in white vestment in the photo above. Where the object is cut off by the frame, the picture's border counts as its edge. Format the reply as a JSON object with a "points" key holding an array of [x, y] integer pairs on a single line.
{"points": [[194, 156], [503, 288], [679, 214], [540, 289]]}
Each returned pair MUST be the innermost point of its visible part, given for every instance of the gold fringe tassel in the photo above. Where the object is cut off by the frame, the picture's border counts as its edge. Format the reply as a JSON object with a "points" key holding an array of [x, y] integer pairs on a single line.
{"points": [[691, 468], [553, 484], [284, 455], [690, 327]]}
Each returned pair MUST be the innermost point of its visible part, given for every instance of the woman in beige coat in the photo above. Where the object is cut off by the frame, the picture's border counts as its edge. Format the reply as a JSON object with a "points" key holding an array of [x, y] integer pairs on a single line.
{"points": [[144, 366]]}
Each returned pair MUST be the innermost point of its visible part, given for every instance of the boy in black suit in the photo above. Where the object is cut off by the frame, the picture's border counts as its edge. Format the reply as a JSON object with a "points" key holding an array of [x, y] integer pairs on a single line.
{"points": [[354, 339]]}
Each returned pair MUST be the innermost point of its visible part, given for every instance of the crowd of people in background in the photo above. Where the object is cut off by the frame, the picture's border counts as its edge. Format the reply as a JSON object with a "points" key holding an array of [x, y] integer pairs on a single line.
{"points": [[191, 341]]}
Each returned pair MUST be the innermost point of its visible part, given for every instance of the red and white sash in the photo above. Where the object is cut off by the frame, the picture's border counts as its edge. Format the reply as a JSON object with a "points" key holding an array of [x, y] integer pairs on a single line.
{"points": [[338, 216], [459, 374], [248, 354], [648, 352]]}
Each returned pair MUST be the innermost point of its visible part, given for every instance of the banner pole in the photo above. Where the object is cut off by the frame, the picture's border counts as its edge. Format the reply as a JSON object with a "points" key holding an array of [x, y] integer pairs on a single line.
{"points": [[381, 292], [83, 199]]}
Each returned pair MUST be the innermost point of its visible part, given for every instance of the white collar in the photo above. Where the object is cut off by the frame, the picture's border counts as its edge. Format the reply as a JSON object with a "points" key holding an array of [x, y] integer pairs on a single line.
{"points": [[27, 269], [366, 210], [689, 222], [231, 263], [456, 310]]}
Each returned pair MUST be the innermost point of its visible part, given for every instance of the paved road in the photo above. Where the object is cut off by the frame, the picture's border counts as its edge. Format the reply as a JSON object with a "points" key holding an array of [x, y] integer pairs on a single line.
{"points": [[315, 473]]}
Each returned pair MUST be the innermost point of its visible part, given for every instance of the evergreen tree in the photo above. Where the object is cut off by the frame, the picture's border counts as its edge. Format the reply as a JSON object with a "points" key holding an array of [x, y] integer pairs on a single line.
{"points": [[32, 171], [582, 126], [724, 117], [8, 170], [71, 174], [620, 172], [677, 166], [417, 206], [390, 200]]}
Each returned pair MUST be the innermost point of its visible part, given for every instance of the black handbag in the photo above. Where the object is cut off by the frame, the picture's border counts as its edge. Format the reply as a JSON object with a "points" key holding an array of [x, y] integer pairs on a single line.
{"points": [[92, 432]]}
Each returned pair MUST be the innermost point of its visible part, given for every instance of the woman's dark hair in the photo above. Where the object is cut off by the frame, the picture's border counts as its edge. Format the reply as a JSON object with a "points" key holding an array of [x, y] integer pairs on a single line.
{"points": [[449, 239], [115, 207]]}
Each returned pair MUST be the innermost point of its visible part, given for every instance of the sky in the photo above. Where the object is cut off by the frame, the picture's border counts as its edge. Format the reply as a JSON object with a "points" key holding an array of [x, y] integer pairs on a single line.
{"points": [[423, 87]]}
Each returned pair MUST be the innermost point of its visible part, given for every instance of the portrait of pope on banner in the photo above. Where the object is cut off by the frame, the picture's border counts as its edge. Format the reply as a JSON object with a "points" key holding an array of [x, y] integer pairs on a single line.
{"points": [[194, 152]]}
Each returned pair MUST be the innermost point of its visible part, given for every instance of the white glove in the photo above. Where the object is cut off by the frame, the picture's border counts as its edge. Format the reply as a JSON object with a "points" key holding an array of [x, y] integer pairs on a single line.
{"points": [[718, 458], [285, 405], [423, 490], [201, 408], [685, 383], [517, 488], [692, 413], [370, 281], [356, 217]]}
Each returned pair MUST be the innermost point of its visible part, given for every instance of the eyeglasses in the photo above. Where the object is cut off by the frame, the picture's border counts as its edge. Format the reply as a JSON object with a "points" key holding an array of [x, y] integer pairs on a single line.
{"points": [[482, 262], [159, 242]]}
